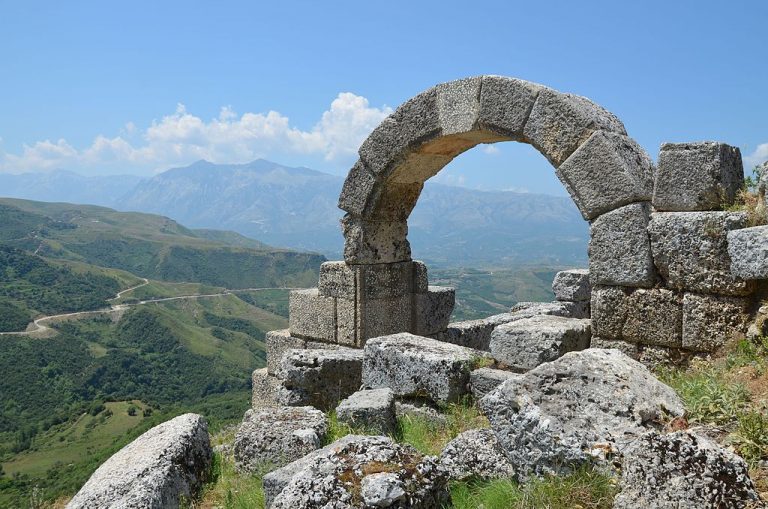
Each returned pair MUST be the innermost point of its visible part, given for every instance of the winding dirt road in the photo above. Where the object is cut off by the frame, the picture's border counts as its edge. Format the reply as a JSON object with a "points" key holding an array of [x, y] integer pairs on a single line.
{"points": [[39, 327]]}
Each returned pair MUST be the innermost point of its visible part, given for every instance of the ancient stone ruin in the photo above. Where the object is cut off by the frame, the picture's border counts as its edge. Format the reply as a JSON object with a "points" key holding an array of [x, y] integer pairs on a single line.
{"points": [[671, 274]]}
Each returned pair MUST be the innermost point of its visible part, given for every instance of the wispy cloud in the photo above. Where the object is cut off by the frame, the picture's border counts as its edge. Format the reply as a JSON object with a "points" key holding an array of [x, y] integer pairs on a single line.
{"points": [[760, 155], [182, 137]]}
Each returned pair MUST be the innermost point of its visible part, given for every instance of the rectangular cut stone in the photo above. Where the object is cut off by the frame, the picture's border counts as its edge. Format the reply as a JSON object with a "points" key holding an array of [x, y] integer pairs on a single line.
{"points": [[372, 242], [709, 321], [474, 334], [559, 123], [346, 322], [748, 250], [311, 315], [484, 380], [433, 310], [380, 317], [458, 105], [625, 347], [697, 176], [607, 171], [265, 389], [690, 250], [379, 281], [277, 342], [619, 248], [638, 315], [337, 279], [372, 409], [572, 285], [415, 366], [527, 343], [319, 377], [505, 104]]}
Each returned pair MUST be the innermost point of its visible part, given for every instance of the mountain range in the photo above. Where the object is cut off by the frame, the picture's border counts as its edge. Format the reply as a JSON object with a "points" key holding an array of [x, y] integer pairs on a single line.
{"points": [[296, 208]]}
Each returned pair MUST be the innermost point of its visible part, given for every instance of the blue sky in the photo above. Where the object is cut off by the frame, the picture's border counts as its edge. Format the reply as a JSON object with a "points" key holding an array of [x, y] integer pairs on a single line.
{"points": [[136, 87]]}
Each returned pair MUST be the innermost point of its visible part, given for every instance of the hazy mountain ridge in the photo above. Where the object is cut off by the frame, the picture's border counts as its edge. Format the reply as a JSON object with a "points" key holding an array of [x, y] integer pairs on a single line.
{"points": [[296, 208]]}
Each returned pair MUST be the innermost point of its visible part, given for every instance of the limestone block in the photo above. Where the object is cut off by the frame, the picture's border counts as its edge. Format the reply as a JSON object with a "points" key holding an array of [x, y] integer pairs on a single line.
{"points": [[566, 309], [484, 380], [381, 317], [433, 310], [352, 467], [559, 123], [277, 436], [372, 409], [638, 315], [697, 176], [683, 469], [582, 408], [524, 344], [346, 322], [748, 250], [476, 454], [458, 105], [277, 342], [572, 285], [319, 378], [690, 250], [415, 366], [358, 190], [371, 242], [505, 104], [474, 333], [395, 200], [608, 171], [379, 281], [414, 122], [420, 409], [630, 349], [709, 321], [311, 315], [337, 279], [265, 389], [619, 248], [162, 468]]}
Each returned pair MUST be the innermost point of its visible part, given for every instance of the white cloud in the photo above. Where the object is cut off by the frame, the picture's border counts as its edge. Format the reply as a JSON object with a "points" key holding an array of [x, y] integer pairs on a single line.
{"points": [[491, 149], [758, 156], [182, 137]]}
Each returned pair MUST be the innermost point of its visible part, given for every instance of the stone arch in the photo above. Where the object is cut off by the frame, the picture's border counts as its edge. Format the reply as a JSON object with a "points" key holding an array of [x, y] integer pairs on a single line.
{"points": [[600, 166]]}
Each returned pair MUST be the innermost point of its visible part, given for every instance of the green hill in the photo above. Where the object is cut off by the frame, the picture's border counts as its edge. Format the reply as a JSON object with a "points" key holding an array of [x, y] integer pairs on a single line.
{"points": [[150, 246]]}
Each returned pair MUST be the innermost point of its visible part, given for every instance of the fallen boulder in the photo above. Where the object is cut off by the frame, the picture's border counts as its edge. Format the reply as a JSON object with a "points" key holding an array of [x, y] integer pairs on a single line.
{"points": [[586, 406], [162, 468], [475, 454], [683, 469], [359, 472], [276, 436], [484, 380], [372, 409]]}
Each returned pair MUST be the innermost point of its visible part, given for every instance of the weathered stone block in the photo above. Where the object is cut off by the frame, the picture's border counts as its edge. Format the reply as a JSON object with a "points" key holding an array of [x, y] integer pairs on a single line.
{"points": [[474, 333], [476, 454], [379, 281], [561, 308], [458, 105], [690, 249], [524, 344], [619, 248], [277, 436], [638, 315], [572, 285], [372, 409], [709, 321], [630, 349], [582, 408], [358, 190], [505, 104], [346, 322], [381, 317], [697, 176], [277, 342], [371, 242], [433, 310], [312, 315], [683, 469], [748, 250], [414, 122], [319, 378], [608, 171], [337, 279], [162, 468], [484, 380], [559, 123], [265, 389], [415, 366]]}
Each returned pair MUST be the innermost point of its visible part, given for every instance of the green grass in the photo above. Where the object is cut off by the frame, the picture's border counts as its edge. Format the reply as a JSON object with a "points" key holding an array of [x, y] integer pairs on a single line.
{"points": [[231, 490], [584, 489]]}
